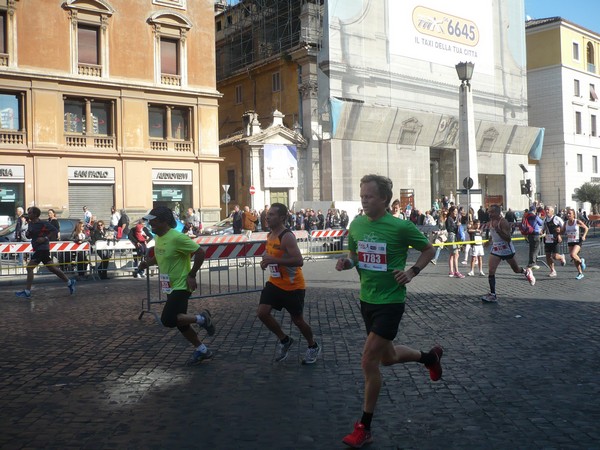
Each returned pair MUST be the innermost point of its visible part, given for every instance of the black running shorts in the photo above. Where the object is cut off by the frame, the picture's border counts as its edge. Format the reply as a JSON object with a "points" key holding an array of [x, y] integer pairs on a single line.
{"points": [[383, 320], [177, 303], [40, 256], [277, 298]]}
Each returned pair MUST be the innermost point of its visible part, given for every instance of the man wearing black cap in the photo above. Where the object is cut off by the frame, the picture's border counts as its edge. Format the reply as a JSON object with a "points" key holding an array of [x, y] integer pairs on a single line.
{"points": [[172, 252]]}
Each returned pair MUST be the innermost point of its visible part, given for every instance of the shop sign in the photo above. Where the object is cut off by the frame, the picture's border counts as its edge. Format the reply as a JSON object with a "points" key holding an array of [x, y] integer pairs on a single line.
{"points": [[12, 174], [171, 176], [98, 175]]}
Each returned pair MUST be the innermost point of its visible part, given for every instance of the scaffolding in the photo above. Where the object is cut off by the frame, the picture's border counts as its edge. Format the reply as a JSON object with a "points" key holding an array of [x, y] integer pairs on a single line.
{"points": [[253, 31]]}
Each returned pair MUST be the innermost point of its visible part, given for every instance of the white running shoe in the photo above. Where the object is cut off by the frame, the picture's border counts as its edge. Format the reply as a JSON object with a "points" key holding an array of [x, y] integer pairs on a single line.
{"points": [[471, 274], [552, 274], [529, 276]]}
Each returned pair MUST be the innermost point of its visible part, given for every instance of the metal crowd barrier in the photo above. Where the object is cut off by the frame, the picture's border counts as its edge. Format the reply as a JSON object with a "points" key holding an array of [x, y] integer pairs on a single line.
{"points": [[228, 268], [66, 254]]}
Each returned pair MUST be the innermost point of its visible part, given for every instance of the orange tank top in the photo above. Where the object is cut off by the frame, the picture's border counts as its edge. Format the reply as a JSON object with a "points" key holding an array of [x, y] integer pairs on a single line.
{"points": [[284, 277]]}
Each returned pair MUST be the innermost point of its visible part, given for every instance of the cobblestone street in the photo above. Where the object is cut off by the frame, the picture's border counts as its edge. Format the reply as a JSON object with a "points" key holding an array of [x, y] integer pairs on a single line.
{"points": [[83, 372]]}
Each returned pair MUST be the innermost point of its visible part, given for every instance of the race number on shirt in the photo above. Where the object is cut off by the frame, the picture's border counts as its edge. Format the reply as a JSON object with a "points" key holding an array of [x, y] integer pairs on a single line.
{"points": [[165, 283], [572, 236], [274, 270], [372, 256]]}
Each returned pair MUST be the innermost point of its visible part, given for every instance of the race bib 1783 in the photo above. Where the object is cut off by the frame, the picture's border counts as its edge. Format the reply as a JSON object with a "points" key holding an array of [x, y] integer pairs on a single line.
{"points": [[372, 256]]}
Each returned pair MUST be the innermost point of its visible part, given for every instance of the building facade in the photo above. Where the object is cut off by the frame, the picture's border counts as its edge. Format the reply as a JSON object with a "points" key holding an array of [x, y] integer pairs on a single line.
{"points": [[376, 90], [563, 76], [108, 102]]}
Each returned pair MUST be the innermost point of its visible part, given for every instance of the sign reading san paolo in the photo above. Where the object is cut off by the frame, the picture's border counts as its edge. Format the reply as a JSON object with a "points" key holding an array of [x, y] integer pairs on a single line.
{"points": [[443, 32], [96, 175]]}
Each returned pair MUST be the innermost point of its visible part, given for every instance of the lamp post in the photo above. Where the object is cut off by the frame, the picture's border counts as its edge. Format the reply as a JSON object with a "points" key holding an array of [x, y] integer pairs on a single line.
{"points": [[467, 152]]}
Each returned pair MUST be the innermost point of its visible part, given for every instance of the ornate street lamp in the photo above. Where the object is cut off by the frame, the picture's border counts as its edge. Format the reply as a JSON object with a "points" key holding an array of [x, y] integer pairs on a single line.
{"points": [[465, 71]]}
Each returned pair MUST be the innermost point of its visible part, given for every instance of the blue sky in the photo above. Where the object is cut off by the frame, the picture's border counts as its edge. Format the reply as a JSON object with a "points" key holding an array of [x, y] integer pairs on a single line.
{"points": [[582, 12]]}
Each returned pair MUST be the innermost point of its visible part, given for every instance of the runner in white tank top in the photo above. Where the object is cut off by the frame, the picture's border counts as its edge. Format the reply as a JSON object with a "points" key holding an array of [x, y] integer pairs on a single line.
{"points": [[502, 249], [575, 238]]}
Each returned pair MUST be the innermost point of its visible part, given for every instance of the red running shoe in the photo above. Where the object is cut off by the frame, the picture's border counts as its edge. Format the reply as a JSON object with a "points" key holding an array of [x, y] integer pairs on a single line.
{"points": [[358, 437], [435, 369]]}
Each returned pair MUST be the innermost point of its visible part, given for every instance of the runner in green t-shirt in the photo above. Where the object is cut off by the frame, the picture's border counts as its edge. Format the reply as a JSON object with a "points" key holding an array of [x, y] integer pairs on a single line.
{"points": [[172, 253], [378, 244]]}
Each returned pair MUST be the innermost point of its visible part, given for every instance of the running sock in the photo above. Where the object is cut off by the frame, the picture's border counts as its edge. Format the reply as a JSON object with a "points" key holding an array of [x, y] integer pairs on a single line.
{"points": [[366, 420], [492, 281], [200, 319], [315, 345], [428, 358], [202, 348], [285, 340]]}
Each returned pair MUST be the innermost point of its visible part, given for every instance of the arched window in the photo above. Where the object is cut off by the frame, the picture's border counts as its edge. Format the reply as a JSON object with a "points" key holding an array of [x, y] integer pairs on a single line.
{"points": [[89, 36], [170, 54], [591, 61]]}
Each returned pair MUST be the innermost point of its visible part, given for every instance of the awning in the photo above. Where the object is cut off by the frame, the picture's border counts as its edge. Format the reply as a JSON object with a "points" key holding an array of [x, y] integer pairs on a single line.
{"points": [[536, 149]]}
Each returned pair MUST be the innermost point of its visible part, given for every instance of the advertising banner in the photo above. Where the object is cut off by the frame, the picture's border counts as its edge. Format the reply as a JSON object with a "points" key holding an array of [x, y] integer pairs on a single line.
{"points": [[443, 32], [281, 166]]}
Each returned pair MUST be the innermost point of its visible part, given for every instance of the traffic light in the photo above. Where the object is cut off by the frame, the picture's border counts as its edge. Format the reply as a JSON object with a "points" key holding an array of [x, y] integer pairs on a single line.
{"points": [[524, 190], [526, 187]]}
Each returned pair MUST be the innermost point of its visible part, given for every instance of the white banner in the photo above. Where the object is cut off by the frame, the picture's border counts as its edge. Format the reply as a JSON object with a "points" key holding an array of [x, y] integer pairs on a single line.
{"points": [[281, 166], [443, 32]]}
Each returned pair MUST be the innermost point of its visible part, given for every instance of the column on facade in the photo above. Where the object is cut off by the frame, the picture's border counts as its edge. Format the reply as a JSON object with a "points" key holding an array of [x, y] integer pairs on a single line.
{"points": [[467, 152], [309, 180], [255, 175], [89, 125], [309, 173], [168, 124]]}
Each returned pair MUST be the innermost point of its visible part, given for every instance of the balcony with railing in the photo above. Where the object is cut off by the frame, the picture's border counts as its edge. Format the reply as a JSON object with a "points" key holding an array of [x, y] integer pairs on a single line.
{"points": [[170, 80], [172, 145], [90, 142], [12, 137], [90, 70]]}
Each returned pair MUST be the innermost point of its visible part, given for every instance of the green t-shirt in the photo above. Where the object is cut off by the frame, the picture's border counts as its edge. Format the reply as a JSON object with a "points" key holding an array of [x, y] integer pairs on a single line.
{"points": [[173, 254], [382, 246]]}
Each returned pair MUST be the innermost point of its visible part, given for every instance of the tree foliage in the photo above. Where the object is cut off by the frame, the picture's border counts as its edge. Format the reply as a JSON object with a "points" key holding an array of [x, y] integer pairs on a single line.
{"points": [[589, 192]]}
